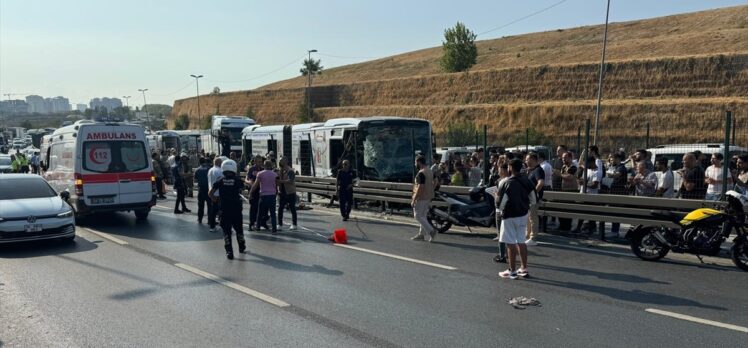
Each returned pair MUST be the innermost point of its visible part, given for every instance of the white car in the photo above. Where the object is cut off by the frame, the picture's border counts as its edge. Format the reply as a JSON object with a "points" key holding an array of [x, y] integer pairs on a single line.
{"points": [[31, 210]]}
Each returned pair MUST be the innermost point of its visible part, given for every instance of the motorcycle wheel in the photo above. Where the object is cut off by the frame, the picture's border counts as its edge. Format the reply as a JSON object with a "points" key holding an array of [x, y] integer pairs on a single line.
{"points": [[740, 255], [439, 224], [647, 247]]}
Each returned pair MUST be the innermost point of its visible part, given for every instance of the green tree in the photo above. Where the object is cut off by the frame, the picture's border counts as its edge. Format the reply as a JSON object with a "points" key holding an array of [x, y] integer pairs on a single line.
{"points": [[250, 113], [311, 65], [182, 122], [302, 114], [27, 124], [459, 52], [461, 133]]}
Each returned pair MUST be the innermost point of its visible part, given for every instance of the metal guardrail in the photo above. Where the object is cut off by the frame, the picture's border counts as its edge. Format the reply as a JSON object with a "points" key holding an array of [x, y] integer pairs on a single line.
{"points": [[632, 210]]}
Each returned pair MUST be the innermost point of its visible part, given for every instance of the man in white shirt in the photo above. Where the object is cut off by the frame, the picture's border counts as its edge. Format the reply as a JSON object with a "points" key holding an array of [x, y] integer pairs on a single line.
{"points": [[172, 159], [713, 178], [214, 174], [665, 179]]}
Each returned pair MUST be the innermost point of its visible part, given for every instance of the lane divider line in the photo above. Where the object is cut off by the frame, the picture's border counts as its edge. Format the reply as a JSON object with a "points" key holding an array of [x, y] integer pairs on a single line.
{"points": [[106, 236], [697, 320], [243, 289], [402, 258]]}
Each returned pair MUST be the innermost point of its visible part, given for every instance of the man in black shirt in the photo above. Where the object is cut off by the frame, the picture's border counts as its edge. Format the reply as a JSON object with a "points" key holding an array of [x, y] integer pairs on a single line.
{"points": [[344, 187], [515, 197], [230, 186], [693, 186], [254, 196], [536, 174]]}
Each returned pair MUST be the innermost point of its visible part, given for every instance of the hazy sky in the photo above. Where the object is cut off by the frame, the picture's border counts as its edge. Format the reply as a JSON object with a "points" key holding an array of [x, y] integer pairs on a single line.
{"points": [[84, 49]]}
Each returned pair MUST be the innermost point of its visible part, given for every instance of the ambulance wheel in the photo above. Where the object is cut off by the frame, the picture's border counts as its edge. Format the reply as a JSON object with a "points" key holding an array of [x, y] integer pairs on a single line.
{"points": [[142, 215]]}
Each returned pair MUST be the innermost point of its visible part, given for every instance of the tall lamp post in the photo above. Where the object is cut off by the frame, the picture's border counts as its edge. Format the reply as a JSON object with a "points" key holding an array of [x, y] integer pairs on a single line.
{"points": [[147, 117], [127, 104], [602, 73], [197, 85], [309, 85]]}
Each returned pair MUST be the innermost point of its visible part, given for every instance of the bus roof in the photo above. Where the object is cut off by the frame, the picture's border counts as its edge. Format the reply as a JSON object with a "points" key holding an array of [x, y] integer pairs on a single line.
{"points": [[355, 121]]}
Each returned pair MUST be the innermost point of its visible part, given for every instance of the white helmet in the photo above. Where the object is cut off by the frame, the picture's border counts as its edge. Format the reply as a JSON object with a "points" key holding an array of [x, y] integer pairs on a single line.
{"points": [[228, 166]]}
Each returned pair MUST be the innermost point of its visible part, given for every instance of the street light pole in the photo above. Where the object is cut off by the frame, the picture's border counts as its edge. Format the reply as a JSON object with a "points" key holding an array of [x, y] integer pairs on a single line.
{"points": [[127, 105], [309, 85], [197, 85], [147, 117], [602, 73]]}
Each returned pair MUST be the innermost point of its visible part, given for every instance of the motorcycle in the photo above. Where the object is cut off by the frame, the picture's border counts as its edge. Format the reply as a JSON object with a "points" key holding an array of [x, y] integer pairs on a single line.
{"points": [[479, 210], [701, 232]]}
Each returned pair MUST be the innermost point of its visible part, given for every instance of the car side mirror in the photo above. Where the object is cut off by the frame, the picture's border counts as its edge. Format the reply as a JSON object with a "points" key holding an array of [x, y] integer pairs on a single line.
{"points": [[65, 195]]}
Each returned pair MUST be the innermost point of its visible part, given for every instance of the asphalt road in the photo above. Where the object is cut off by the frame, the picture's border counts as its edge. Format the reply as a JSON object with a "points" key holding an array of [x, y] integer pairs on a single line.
{"points": [[166, 282]]}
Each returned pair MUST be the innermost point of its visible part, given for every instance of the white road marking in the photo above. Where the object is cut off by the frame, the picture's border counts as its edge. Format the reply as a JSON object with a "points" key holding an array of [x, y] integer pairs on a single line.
{"points": [[449, 268], [243, 289], [697, 320], [106, 236]]}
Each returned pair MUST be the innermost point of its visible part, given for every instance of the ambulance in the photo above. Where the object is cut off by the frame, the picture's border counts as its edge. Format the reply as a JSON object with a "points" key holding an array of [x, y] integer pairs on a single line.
{"points": [[103, 167]]}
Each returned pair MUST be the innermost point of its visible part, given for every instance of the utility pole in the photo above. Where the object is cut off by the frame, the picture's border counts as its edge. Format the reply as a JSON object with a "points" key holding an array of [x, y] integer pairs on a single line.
{"points": [[147, 117], [309, 85], [602, 73], [197, 85]]}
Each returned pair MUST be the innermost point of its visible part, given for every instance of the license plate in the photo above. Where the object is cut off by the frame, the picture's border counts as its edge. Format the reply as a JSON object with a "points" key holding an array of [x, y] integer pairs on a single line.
{"points": [[33, 228], [102, 200]]}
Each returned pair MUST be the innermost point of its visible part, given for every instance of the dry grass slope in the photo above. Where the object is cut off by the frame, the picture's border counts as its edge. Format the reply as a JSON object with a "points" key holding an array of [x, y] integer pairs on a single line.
{"points": [[678, 73]]}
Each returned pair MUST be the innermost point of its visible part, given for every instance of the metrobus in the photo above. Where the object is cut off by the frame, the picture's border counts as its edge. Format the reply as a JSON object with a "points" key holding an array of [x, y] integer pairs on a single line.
{"points": [[229, 128], [380, 148]]}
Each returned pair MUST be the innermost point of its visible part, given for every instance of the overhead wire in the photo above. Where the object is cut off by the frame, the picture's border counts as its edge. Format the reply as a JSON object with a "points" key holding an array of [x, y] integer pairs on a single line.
{"points": [[523, 18], [175, 92], [259, 76]]}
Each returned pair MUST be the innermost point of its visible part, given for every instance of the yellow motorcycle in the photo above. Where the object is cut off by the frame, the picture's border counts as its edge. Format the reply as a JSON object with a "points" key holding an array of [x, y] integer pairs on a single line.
{"points": [[701, 232]]}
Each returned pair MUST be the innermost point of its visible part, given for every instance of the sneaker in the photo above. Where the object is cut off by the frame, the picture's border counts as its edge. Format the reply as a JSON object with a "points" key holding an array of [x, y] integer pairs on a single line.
{"points": [[178, 212], [508, 274], [417, 237], [212, 230], [292, 227], [186, 210], [523, 273], [242, 248], [230, 255], [499, 259], [531, 242]]}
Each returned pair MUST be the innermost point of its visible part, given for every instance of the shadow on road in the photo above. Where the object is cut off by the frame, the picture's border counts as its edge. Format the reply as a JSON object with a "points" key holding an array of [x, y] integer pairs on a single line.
{"points": [[153, 285], [289, 266], [45, 248], [635, 296], [626, 278], [162, 229]]}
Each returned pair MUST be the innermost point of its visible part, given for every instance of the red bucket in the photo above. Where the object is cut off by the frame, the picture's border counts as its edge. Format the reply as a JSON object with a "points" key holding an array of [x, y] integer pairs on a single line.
{"points": [[339, 236]]}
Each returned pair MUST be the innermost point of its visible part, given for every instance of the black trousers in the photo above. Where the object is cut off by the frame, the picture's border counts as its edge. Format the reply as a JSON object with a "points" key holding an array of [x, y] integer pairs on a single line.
{"points": [[232, 220], [215, 207], [254, 206], [160, 186], [202, 201], [181, 192], [345, 198], [290, 200]]}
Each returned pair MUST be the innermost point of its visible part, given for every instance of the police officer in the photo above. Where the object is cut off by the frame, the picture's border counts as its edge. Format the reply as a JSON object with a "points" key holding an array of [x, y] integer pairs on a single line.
{"points": [[231, 187]]}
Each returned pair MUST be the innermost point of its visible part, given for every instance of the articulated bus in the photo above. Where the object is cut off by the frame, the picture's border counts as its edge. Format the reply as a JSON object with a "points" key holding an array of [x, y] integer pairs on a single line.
{"points": [[379, 148]]}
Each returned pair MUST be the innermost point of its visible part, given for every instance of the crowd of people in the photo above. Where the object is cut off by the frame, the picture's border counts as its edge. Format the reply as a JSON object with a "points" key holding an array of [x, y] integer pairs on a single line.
{"points": [[21, 163]]}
